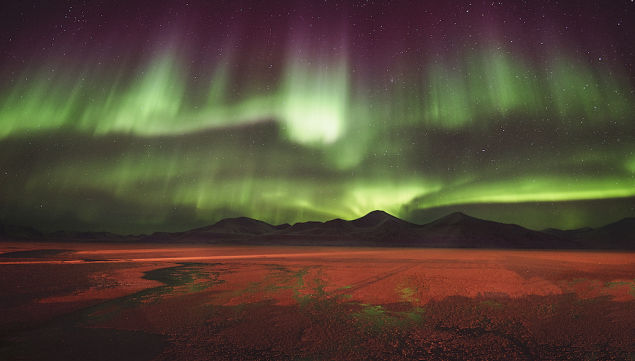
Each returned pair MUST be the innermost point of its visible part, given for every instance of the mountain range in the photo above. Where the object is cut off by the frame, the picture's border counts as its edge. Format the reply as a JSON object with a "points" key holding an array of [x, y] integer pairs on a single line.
{"points": [[377, 228]]}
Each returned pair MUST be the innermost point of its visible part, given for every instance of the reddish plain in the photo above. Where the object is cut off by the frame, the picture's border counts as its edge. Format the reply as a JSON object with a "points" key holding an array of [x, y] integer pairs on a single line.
{"points": [[193, 302]]}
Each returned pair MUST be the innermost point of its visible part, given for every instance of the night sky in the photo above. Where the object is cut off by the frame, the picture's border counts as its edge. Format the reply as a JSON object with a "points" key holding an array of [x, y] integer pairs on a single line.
{"points": [[139, 116]]}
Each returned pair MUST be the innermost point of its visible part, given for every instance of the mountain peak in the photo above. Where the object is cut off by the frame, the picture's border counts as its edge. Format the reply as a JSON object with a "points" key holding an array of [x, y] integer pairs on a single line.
{"points": [[454, 218], [237, 225], [624, 222], [378, 213], [374, 218]]}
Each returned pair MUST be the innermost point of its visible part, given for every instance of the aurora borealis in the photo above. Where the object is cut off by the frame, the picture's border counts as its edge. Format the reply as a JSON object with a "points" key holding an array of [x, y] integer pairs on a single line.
{"points": [[131, 116]]}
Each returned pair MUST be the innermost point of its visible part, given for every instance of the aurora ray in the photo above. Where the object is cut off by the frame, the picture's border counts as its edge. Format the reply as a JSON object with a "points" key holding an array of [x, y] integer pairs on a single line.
{"points": [[314, 117]]}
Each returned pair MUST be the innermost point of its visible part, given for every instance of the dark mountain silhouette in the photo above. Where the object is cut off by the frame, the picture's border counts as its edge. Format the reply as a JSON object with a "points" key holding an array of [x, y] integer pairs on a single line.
{"points": [[566, 233], [283, 226], [460, 230], [377, 228], [224, 230], [378, 219], [8, 231], [240, 225], [623, 230], [618, 235]]}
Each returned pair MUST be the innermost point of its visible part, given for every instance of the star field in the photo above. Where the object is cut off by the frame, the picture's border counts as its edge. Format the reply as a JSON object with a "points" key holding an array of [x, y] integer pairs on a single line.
{"points": [[134, 116]]}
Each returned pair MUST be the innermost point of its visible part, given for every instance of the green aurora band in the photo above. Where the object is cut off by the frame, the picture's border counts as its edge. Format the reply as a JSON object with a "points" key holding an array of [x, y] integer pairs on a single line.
{"points": [[483, 127]]}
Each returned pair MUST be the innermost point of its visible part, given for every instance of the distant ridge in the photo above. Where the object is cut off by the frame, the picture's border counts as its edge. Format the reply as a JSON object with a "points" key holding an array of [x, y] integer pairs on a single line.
{"points": [[460, 230], [377, 228], [240, 225], [620, 235], [454, 218]]}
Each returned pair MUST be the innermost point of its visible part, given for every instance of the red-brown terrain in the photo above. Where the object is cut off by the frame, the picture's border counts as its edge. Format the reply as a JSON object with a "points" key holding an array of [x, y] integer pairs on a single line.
{"points": [[96, 301]]}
